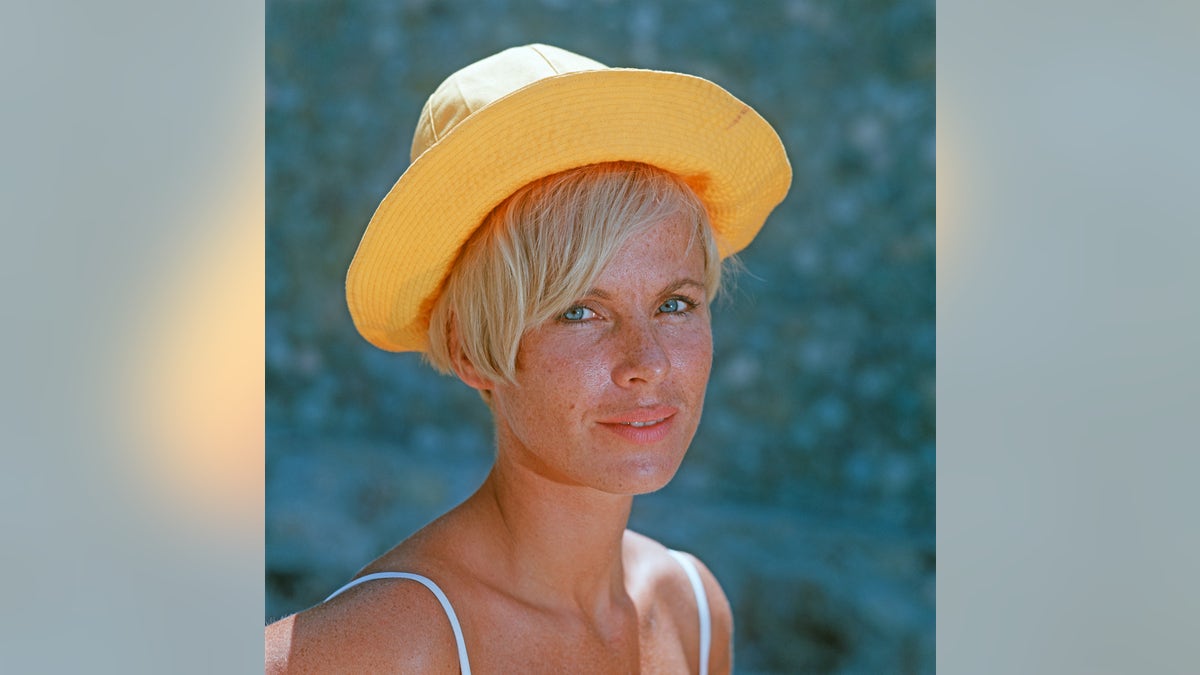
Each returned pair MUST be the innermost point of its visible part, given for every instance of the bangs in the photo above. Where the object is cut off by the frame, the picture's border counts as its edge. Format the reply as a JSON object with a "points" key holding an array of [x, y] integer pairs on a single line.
{"points": [[541, 249]]}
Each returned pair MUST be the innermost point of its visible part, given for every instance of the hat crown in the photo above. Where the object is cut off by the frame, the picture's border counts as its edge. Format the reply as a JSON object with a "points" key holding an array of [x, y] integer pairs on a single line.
{"points": [[488, 80]]}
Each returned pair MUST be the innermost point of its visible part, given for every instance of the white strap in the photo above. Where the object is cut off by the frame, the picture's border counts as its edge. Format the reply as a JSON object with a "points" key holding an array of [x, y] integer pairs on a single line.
{"points": [[702, 603], [463, 665]]}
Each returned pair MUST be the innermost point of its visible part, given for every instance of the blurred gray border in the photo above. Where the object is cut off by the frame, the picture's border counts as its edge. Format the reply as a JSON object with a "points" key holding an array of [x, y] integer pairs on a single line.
{"points": [[1068, 327]]}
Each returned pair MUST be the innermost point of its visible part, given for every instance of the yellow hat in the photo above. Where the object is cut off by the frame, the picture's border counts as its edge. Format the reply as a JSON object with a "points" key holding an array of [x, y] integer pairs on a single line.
{"points": [[536, 110]]}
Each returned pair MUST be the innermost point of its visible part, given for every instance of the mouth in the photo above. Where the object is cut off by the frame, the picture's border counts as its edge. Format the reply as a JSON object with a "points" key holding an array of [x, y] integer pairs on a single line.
{"points": [[641, 416], [640, 425], [643, 425]]}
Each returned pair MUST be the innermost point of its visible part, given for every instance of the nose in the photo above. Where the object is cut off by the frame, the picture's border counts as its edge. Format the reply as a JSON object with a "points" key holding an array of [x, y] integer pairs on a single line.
{"points": [[641, 357]]}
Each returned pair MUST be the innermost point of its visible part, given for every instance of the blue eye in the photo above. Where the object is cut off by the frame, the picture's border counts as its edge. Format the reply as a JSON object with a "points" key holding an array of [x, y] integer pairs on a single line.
{"points": [[675, 306], [578, 313]]}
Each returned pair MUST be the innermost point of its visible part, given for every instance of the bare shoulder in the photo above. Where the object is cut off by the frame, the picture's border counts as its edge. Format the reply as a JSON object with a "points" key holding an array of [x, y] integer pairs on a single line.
{"points": [[655, 564], [721, 615], [383, 625], [661, 574]]}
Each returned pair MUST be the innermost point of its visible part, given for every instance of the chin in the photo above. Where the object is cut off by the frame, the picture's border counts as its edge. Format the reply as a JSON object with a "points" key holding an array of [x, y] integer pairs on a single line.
{"points": [[641, 478]]}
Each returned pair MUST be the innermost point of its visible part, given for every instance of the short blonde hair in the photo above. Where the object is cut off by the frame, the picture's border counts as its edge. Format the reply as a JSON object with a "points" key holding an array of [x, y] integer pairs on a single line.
{"points": [[541, 249]]}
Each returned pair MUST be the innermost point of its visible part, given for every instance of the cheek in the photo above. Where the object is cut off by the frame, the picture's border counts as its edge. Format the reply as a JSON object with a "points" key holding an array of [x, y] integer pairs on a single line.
{"points": [[595, 371], [563, 379], [693, 354]]}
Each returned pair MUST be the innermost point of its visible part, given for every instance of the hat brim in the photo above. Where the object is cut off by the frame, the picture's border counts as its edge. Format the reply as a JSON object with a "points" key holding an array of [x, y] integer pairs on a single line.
{"points": [[723, 149]]}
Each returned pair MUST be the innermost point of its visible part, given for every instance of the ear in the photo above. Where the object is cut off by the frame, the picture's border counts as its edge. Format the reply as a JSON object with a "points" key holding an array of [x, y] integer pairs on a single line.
{"points": [[463, 368]]}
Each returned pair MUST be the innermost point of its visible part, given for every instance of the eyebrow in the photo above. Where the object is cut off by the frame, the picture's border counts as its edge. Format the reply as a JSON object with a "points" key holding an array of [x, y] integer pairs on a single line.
{"points": [[669, 288]]}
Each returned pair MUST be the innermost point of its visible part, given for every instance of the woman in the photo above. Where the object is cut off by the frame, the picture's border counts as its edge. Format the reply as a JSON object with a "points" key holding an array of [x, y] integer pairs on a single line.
{"points": [[555, 244]]}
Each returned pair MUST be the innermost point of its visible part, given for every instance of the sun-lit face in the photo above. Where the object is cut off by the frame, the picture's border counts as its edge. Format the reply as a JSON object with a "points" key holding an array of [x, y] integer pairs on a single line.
{"points": [[608, 394]]}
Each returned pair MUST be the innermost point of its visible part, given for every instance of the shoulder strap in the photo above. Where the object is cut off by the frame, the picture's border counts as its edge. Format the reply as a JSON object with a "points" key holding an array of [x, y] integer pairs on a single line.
{"points": [[463, 664], [702, 603]]}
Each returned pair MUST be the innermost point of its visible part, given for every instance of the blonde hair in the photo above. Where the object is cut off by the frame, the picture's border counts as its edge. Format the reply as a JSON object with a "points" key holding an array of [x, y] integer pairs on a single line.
{"points": [[541, 249]]}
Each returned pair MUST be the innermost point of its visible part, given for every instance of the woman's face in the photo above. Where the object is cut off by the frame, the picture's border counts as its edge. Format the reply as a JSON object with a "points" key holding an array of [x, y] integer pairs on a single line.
{"points": [[608, 394]]}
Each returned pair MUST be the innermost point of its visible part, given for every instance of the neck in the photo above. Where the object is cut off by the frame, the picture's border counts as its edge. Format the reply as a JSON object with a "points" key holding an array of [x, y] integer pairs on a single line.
{"points": [[556, 543]]}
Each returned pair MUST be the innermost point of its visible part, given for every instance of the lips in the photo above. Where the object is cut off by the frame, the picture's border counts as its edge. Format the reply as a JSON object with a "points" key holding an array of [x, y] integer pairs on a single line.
{"points": [[641, 425]]}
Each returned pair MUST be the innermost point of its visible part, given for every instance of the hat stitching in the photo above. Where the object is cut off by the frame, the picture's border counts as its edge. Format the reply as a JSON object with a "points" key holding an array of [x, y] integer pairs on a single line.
{"points": [[432, 127], [539, 53], [465, 102]]}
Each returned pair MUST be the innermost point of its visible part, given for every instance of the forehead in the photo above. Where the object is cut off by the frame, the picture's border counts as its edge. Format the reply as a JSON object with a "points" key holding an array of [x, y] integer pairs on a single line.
{"points": [[663, 253]]}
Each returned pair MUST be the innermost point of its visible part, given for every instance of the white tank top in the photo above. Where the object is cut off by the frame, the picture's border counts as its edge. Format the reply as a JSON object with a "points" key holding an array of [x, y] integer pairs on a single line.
{"points": [[465, 666]]}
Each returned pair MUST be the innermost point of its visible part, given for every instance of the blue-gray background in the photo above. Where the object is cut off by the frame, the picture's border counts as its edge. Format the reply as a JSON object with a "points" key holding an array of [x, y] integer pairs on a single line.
{"points": [[809, 489]]}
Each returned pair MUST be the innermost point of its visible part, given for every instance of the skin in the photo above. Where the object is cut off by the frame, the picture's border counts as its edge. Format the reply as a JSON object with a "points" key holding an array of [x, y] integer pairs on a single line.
{"points": [[538, 563]]}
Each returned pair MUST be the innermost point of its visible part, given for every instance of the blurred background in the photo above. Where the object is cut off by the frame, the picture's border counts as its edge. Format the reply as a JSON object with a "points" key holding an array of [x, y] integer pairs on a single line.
{"points": [[809, 489]]}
